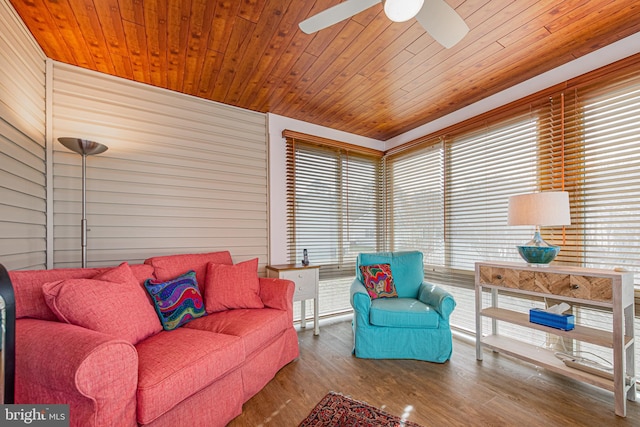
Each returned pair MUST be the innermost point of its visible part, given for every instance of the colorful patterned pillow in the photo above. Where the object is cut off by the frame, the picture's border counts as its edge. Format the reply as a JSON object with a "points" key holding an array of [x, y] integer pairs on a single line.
{"points": [[379, 281], [178, 301]]}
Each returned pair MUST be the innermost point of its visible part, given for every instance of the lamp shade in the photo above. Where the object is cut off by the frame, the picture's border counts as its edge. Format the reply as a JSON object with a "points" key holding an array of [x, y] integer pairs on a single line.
{"points": [[402, 10], [547, 208], [83, 146]]}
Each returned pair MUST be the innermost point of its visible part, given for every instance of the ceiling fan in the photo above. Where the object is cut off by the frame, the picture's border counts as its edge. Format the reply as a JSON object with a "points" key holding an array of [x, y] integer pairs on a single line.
{"points": [[436, 16]]}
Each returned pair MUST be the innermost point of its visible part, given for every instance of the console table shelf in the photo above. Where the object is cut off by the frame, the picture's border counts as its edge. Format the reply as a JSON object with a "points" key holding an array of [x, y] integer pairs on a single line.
{"points": [[580, 333], [543, 358], [608, 289]]}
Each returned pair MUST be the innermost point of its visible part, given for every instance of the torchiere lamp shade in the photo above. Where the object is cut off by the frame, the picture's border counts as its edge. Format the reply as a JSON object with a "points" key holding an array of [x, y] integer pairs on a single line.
{"points": [[83, 146]]}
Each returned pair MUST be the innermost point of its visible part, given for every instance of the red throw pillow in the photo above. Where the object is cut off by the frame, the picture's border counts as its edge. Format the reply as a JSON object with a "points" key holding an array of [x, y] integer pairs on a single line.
{"points": [[379, 281], [232, 286], [169, 267], [113, 302]]}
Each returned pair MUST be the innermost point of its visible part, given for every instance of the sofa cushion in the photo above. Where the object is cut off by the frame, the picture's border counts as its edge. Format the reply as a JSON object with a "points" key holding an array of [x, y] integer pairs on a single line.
{"points": [[232, 286], [174, 365], [378, 280], [112, 302], [402, 313], [27, 286], [177, 301], [256, 327], [142, 272], [170, 266]]}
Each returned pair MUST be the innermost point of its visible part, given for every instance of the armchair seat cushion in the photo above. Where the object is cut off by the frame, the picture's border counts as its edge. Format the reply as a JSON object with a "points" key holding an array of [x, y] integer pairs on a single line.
{"points": [[403, 313]]}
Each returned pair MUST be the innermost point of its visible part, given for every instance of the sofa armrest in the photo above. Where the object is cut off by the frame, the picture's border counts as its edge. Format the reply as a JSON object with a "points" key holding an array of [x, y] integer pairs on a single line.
{"points": [[277, 293], [96, 374], [360, 301], [441, 300]]}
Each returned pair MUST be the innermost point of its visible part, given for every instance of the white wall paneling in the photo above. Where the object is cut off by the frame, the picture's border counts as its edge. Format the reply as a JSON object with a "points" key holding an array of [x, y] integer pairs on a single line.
{"points": [[181, 174], [22, 142]]}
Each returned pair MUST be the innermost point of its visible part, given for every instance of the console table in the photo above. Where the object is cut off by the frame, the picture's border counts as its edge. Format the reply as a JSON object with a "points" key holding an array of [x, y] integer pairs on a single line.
{"points": [[579, 287], [306, 278]]}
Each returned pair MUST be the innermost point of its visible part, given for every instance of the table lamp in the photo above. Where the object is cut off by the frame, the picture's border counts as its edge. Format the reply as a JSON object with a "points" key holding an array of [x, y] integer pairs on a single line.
{"points": [[547, 208]]}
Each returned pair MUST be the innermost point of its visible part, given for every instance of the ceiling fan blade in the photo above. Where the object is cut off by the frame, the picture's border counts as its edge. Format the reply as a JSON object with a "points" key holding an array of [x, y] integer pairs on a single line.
{"points": [[442, 22], [335, 14]]}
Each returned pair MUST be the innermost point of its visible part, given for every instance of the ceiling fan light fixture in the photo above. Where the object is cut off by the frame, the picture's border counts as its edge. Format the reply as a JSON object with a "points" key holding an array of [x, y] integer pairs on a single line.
{"points": [[402, 10]]}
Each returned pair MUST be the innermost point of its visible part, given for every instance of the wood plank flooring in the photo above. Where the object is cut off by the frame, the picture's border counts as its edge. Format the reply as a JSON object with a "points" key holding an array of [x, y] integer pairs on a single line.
{"points": [[499, 391]]}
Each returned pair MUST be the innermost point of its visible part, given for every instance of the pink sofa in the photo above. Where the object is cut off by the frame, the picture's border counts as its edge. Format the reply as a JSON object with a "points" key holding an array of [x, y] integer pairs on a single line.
{"points": [[197, 374]]}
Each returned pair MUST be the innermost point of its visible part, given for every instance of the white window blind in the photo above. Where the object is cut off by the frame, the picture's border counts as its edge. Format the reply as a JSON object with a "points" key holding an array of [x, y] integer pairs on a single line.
{"points": [[610, 172], [334, 206], [591, 148], [415, 202], [483, 169]]}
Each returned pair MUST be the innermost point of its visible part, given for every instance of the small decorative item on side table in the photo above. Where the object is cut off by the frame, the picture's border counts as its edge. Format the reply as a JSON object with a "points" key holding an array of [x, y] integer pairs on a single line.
{"points": [[306, 278], [566, 322]]}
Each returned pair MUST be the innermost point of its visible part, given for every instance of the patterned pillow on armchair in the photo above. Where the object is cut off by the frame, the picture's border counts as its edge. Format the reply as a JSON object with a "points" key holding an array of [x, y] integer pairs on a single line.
{"points": [[379, 281]]}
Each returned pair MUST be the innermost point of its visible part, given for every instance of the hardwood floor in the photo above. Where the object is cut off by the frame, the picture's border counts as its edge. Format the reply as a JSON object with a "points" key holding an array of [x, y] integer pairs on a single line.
{"points": [[499, 391]]}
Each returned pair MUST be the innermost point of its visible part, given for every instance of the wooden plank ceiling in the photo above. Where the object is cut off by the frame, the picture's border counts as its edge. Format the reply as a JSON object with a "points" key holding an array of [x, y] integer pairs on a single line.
{"points": [[365, 75]]}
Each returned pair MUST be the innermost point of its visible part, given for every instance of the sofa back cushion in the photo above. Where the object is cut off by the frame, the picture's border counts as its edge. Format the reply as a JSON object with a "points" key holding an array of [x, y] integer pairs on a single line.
{"points": [[112, 302], [171, 266], [232, 286], [27, 286], [407, 269]]}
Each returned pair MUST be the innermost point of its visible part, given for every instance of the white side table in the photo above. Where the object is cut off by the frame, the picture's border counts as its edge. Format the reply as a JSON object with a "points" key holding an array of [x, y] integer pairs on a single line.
{"points": [[306, 278]]}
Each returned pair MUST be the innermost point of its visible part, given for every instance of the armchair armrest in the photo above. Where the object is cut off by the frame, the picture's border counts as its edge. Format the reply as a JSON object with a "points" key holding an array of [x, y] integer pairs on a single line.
{"points": [[96, 374], [277, 293], [360, 301], [438, 298]]}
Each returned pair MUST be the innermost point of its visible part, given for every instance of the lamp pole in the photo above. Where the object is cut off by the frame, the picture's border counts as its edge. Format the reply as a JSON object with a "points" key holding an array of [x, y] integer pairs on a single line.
{"points": [[84, 148]]}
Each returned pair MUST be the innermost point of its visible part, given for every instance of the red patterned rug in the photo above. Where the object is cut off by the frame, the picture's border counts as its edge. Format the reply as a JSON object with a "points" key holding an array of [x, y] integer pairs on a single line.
{"points": [[336, 410]]}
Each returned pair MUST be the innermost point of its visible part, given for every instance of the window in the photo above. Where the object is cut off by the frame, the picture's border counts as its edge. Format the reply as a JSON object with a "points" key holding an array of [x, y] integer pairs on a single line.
{"points": [[448, 198], [334, 211], [483, 169], [610, 185], [415, 203]]}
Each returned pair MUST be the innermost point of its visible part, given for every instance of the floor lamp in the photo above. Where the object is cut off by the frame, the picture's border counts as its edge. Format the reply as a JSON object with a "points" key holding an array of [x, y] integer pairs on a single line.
{"points": [[85, 148]]}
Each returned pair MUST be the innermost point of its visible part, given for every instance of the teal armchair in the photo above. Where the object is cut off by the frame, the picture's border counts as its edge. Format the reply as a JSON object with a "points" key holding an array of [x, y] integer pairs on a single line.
{"points": [[413, 326]]}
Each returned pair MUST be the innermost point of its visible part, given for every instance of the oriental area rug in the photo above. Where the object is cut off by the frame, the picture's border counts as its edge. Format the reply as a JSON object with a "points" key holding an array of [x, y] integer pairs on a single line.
{"points": [[336, 410]]}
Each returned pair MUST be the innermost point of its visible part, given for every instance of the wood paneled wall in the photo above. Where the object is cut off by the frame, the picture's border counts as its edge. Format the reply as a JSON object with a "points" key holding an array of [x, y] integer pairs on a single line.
{"points": [[181, 174], [22, 145]]}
